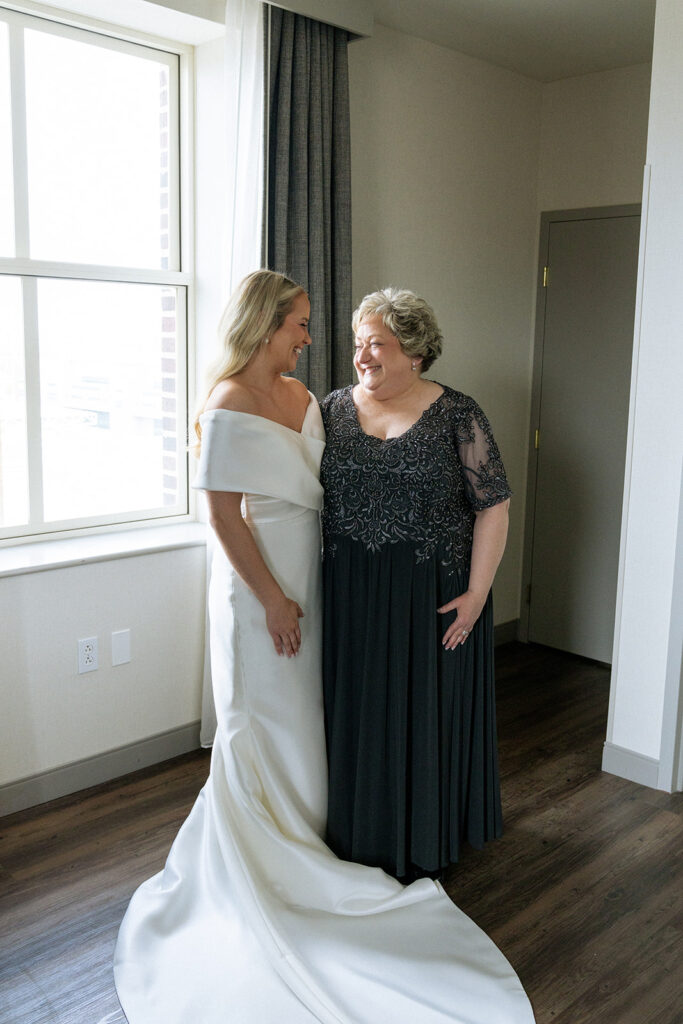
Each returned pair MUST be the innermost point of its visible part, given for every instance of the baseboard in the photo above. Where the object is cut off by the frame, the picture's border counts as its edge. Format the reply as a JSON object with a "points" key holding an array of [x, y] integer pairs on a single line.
{"points": [[628, 764], [91, 771], [506, 632]]}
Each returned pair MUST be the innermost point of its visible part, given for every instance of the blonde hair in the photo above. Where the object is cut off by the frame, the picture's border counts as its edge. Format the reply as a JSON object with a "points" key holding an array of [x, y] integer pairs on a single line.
{"points": [[409, 318], [256, 309]]}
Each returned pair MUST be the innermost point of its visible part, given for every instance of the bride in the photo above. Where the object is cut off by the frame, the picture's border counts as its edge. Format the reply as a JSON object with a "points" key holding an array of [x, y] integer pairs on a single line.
{"points": [[253, 920]]}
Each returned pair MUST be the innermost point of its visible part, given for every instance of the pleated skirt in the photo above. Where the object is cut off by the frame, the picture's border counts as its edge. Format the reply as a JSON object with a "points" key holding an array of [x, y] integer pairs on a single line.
{"points": [[410, 727]]}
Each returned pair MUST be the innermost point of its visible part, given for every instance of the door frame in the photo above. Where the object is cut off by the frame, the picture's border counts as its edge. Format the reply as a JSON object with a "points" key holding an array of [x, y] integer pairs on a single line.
{"points": [[547, 219]]}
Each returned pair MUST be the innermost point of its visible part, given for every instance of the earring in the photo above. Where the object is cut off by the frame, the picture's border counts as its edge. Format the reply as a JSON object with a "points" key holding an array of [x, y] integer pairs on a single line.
{"points": [[266, 341], [414, 366]]}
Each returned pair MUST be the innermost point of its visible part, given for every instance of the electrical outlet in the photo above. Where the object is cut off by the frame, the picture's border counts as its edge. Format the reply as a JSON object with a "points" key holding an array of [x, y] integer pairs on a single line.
{"points": [[87, 654]]}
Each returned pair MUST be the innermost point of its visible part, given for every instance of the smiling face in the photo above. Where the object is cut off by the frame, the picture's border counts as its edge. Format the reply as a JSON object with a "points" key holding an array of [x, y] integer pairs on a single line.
{"points": [[291, 338], [383, 368]]}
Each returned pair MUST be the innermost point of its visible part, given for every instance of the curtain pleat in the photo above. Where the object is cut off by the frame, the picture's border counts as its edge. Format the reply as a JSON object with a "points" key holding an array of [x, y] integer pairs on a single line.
{"points": [[307, 203]]}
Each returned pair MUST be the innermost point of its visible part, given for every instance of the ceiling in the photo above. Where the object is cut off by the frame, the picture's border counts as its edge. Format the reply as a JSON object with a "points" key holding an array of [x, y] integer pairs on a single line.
{"points": [[542, 39]]}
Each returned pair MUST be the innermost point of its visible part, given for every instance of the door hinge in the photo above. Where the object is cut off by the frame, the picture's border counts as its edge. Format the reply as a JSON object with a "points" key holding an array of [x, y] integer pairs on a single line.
{"points": [[545, 277], [537, 440]]}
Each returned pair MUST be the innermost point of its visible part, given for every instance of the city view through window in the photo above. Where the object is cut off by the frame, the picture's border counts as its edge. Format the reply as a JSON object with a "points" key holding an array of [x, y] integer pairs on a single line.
{"points": [[93, 338]]}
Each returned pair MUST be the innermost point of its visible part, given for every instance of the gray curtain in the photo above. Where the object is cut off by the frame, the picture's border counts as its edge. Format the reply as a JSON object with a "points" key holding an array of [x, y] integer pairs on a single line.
{"points": [[307, 196]]}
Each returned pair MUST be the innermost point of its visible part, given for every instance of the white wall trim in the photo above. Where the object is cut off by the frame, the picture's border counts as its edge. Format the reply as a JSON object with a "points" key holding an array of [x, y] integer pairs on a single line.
{"points": [[628, 461], [630, 765], [42, 556], [91, 771]]}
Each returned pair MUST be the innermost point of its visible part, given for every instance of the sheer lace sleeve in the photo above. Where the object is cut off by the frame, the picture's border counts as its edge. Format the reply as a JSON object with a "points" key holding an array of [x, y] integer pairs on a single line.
{"points": [[482, 466]]}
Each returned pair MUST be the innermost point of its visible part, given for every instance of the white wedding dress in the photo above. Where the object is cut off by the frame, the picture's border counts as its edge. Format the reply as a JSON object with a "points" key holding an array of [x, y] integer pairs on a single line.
{"points": [[253, 920]]}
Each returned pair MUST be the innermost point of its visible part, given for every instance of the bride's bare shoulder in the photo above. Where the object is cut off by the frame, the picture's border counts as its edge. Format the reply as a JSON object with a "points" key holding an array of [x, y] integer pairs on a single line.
{"points": [[233, 395], [296, 390], [295, 386]]}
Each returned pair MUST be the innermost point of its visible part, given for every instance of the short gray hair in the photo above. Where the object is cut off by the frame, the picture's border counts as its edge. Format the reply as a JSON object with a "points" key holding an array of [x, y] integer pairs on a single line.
{"points": [[409, 318]]}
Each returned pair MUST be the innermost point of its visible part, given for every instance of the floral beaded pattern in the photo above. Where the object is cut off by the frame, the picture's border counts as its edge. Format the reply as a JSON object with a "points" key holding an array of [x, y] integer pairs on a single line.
{"points": [[422, 487]]}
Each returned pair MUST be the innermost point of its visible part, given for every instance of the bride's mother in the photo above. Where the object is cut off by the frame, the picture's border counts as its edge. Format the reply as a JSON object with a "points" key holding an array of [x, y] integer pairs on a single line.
{"points": [[415, 522]]}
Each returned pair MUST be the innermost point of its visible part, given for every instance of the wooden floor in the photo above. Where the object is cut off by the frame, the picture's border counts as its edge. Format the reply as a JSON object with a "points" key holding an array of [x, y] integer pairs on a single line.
{"points": [[583, 893]]}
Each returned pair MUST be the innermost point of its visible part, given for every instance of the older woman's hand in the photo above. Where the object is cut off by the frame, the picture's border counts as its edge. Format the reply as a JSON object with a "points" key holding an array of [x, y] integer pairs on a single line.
{"points": [[490, 531], [469, 607]]}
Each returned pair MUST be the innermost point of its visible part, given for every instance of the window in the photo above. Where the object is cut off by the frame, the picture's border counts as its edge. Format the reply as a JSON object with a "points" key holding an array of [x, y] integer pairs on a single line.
{"points": [[93, 297]]}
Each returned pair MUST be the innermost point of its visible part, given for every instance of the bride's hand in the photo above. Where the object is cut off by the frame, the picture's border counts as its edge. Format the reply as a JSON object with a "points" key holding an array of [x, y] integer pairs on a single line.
{"points": [[282, 620]]}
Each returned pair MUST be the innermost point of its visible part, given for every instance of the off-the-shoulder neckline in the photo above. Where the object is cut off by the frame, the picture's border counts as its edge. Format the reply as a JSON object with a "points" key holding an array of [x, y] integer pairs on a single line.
{"points": [[312, 400]]}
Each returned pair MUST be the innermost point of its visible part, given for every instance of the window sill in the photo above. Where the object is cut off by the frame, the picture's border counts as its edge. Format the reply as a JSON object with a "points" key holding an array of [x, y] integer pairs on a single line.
{"points": [[59, 554]]}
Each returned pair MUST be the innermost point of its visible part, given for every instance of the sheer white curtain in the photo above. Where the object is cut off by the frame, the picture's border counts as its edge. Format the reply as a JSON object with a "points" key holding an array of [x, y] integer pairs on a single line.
{"points": [[244, 78], [244, 189]]}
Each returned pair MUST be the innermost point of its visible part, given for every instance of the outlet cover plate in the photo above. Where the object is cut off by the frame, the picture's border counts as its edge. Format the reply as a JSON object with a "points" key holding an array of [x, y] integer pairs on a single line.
{"points": [[120, 647]]}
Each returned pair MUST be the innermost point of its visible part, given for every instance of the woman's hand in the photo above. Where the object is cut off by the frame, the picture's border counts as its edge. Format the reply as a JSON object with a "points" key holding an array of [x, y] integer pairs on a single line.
{"points": [[282, 620], [488, 544], [469, 607]]}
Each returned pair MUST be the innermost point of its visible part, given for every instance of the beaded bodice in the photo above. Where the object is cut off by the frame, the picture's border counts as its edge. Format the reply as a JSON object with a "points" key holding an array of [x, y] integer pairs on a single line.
{"points": [[422, 487]]}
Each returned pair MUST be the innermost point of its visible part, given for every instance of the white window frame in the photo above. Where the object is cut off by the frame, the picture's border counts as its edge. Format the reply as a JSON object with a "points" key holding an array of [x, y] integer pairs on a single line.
{"points": [[181, 256]]}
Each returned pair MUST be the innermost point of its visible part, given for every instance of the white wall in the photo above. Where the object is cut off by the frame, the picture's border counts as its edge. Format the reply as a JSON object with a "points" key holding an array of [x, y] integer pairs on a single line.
{"points": [[51, 716], [444, 161], [593, 139], [645, 676]]}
